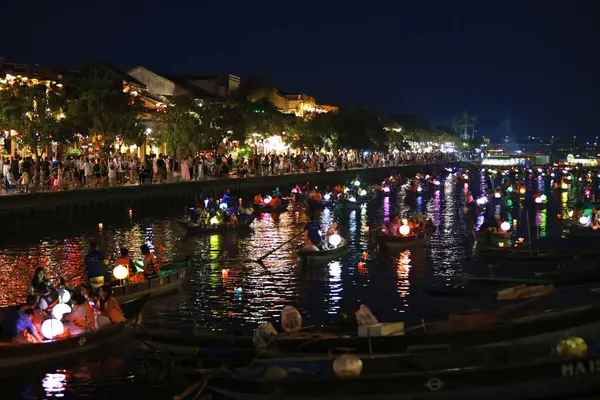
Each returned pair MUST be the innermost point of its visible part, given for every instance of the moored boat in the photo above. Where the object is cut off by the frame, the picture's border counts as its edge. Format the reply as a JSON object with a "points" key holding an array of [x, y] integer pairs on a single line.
{"points": [[401, 242], [15, 358], [511, 372], [171, 278]]}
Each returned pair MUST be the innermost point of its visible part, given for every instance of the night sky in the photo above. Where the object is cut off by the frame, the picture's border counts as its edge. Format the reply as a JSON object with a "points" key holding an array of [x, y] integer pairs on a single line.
{"points": [[537, 61]]}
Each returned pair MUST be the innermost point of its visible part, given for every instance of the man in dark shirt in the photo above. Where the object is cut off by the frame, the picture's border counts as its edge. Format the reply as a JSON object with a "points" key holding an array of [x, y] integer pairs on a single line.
{"points": [[95, 261]]}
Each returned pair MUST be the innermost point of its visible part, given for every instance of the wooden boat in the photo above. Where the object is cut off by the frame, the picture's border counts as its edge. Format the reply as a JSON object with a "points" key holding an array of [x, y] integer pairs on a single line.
{"points": [[171, 278], [580, 231], [15, 358], [402, 242], [323, 255], [522, 323], [524, 254], [199, 229], [269, 209], [318, 204], [520, 372], [494, 235]]}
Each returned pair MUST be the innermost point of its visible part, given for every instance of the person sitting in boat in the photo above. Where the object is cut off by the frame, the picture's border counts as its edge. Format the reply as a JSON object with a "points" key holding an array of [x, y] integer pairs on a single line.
{"points": [[312, 237], [40, 284], [125, 260], [109, 307], [81, 318], [95, 262], [277, 192], [151, 266], [394, 226], [228, 197], [233, 220], [332, 230], [19, 327], [258, 200], [316, 196]]}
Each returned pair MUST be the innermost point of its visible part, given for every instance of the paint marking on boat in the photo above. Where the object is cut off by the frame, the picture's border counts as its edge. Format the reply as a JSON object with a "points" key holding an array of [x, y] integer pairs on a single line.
{"points": [[434, 384], [581, 367], [82, 341]]}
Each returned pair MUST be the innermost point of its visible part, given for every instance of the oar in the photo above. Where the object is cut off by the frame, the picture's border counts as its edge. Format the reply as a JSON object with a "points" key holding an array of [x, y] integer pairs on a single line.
{"points": [[259, 260]]}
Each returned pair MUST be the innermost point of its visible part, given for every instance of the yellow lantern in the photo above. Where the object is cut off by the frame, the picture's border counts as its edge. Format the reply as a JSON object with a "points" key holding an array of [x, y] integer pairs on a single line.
{"points": [[347, 366], [120, 272], [404, 230], [572, 347], [522, 190]]}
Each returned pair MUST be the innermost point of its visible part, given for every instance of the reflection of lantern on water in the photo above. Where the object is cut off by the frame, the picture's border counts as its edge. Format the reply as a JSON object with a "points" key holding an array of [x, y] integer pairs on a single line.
{"points": [[225, 273], [501, 244], [367, 229], [361, 268], [100, 226], [365, 255]]}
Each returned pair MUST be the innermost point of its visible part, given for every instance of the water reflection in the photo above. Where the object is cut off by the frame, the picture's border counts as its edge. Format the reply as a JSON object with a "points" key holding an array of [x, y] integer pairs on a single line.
{"points": [[55, 384]]}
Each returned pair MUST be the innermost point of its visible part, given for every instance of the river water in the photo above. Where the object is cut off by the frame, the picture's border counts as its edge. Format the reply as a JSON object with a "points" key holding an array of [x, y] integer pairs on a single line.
{"points": [[225, 291]]}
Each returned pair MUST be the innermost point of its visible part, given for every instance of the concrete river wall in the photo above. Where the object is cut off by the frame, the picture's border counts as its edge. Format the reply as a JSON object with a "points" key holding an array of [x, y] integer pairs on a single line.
{"points": [[55, 209]]}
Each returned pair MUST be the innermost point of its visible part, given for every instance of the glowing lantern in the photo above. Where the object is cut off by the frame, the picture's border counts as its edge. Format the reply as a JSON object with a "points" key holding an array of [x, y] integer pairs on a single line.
{"points": [[539, 200], [100, 226], [572, 347], [584, 220], [357, 183], [63, 295], [522, 190], [404, 230], [386, 189], [51, 328], [224, 273], [543, 197], [205, 203], [505, 226], [482, 200], [419, 189], [497, 195], [268, 199], [120, 272], [335, 240], [367, 229], [362, 192], [564, 185], [346, 190], [347, 366], [214, 221], [501, 244], [223, 206], [436, 182], [509, 189], [352, 199], [59, 310]]}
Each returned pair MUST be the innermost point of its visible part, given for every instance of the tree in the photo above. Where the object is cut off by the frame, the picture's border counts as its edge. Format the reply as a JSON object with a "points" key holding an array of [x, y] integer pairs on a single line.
{"points": [[34, 111], [99, 107], [179, 125], [463, 123], [360, 128]]}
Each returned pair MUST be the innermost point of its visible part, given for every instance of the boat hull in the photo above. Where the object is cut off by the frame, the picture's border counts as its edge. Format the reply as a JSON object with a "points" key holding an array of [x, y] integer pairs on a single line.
{"points": [[166, 283], [323, 255], [270, 209], [398, 243], [195, 229]]}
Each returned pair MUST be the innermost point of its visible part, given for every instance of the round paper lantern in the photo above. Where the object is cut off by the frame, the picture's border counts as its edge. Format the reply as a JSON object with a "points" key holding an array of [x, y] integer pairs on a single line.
{"points": [[335, 240], [497, 195], [352, 199], [362, 192], [51, 328], [120, 272], [572, 347], [268, 199], [404, 230], [584, 220], [59, 310], [505, 226], [63, 295], [214, 221], [347, 366], [327, 196], [223, 206], [539, 200]]}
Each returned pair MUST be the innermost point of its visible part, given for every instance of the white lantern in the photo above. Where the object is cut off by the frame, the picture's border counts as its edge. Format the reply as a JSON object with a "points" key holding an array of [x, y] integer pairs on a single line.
{"points": [[120, 272], [335, 240], [539, 200], [268, 199], [543, 197], [497, 195], [63, 295], [505, 226], [386, 189], [419, 189], [327, 196], [404, 230], [214, 221], [59, 310], [357, 183], [352, 199], [51, 328], [223, 206], [362, 192], [584, 220]]}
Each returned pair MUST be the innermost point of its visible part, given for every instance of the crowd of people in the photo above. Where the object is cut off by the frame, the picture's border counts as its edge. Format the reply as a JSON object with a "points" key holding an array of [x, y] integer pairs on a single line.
{"points": [[20, 174]]}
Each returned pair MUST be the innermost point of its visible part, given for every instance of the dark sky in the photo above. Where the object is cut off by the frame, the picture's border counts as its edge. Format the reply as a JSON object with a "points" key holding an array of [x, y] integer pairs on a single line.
{"points": [[537, 60]]}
